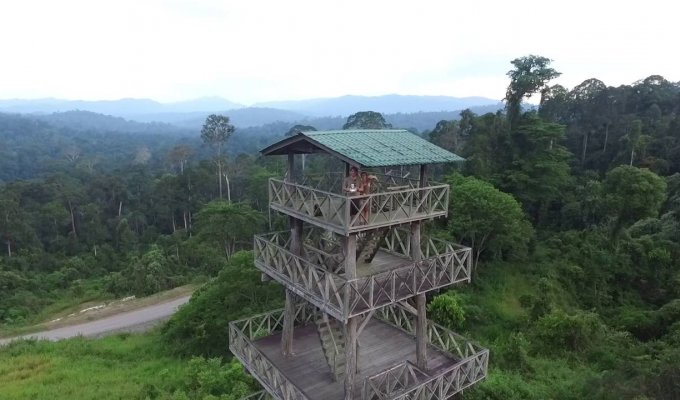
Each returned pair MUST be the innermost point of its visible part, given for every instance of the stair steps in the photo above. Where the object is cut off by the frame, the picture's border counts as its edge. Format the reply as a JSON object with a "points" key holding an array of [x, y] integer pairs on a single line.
{"points": [[333, 344]]}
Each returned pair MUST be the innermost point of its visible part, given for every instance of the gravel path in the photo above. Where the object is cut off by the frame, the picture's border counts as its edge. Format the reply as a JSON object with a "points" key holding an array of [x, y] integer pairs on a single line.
{"points": [[132, 321]]}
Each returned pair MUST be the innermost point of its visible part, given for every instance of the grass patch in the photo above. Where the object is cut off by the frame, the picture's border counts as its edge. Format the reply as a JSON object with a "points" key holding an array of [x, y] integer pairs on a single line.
{"points": [[116, 367]]}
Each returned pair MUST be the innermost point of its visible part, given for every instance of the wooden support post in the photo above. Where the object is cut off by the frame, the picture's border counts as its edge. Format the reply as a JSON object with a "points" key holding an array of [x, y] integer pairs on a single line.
{"points": [[295, 235], [291, 168], [288, 322], [423, 175], [421, 317], [289, 314], [295, 248], [351, 356], [421, 333]]}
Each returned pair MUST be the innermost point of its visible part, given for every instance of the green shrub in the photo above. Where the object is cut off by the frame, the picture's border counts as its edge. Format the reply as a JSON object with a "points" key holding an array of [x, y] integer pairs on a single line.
{"points": [[447, 310], [559, 332]]}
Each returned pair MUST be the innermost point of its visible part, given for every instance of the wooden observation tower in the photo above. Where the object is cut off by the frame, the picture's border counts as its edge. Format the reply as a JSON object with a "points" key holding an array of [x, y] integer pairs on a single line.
{"points": [[356, 270]]}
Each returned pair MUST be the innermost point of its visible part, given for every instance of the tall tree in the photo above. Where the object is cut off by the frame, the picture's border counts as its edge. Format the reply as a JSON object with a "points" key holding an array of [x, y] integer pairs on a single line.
{"points": [[366, 120], [179, 155], [632, 194], [530, 75], [227, 225], [215, 132], [485, 218]]}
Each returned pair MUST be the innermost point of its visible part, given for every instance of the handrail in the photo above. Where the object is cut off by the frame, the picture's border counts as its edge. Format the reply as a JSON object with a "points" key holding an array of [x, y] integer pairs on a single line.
{"points": [[344, 214], [471, 367], [395, 379], [266, 373], [344, 298]]}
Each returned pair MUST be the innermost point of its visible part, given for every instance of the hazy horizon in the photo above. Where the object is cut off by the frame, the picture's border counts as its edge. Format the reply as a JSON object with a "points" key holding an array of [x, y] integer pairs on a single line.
{"points": [[261, 51]]}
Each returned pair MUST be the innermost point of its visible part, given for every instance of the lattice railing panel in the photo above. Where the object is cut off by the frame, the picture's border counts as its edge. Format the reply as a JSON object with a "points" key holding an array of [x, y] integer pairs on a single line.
{"points": [[312, 282], [472, 365], [316, 279], [358, 213], [241, 335], [261, 395], [393, 381]]}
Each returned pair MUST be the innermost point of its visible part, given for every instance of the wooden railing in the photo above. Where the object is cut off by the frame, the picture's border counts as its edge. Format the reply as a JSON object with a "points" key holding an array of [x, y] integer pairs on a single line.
{"points": [[311, 282], [343, 298], [384, 385], [343, 214], [332, 181], [261, 395], [241, 336], [402, 381], [472, 365]]}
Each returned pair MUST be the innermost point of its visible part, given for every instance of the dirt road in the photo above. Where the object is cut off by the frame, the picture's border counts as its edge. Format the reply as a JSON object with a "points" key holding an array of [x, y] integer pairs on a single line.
{"points": [[132, 321]]}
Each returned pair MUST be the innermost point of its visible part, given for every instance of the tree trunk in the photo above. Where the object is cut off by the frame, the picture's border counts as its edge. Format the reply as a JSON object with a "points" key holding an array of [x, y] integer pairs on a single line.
{"points": [[9, 248], [585, 148], [606, 137], [219, 176], [632, 155], [226, 178], [184, 214], [120, 208], [219, 167], [73, 219], [174, 226]]}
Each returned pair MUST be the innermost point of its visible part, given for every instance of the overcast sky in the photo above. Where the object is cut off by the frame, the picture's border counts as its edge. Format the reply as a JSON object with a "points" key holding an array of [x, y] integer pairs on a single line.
{"points": [[256, 50]]}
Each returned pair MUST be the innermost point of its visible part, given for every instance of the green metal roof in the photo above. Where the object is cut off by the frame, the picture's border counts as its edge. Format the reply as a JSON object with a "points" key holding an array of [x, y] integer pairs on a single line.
{"points": [[367, 147]]}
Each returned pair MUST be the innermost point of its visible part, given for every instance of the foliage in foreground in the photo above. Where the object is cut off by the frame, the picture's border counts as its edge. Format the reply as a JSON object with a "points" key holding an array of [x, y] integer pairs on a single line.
{"points": [[118, 367], [202, 325]]}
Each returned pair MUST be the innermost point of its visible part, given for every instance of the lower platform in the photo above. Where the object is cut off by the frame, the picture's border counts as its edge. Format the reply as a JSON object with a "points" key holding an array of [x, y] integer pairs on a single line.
{"points": [[381, 346], [386, 359]]}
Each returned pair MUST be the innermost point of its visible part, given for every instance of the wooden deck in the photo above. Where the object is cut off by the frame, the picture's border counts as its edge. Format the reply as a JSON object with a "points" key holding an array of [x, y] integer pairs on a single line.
{"points": [[383, 261], [381, 347]]}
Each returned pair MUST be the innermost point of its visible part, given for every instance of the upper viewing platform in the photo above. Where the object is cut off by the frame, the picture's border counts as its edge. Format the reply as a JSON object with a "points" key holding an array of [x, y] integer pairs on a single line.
{"points": [[347, 202]]}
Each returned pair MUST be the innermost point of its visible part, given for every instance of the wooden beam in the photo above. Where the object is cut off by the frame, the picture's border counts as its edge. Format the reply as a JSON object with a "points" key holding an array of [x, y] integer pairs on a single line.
{"points": [[408, 307], [352, 323], [351, 256], [423, 176], [295, 248], [421, 316], [350, 357], [295, 235], [421, 332], [288, 321], [290, 177], [364, 322]]}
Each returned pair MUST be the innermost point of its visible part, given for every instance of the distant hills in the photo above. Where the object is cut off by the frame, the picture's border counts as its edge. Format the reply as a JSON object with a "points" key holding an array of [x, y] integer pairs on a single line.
{"points": [[388, 104], [419, 112], [126, 108]]}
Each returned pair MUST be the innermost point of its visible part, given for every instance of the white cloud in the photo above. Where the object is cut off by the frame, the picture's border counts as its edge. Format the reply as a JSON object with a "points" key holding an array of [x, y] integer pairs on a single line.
{"points": [[257, 50]]}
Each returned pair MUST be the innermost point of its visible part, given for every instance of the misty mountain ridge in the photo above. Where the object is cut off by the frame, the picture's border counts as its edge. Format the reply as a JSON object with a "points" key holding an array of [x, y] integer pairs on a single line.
{"points": [[146, 110], [126, 108], [387, 104]]}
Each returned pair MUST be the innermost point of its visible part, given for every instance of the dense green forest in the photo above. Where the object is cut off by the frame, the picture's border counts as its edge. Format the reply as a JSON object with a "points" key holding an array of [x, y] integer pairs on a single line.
{"points": [[572, 209]]}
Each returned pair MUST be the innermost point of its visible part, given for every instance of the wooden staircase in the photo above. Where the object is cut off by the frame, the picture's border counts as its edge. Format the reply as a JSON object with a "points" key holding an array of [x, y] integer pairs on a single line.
{"points": [[370, 244], [333, 344]]}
